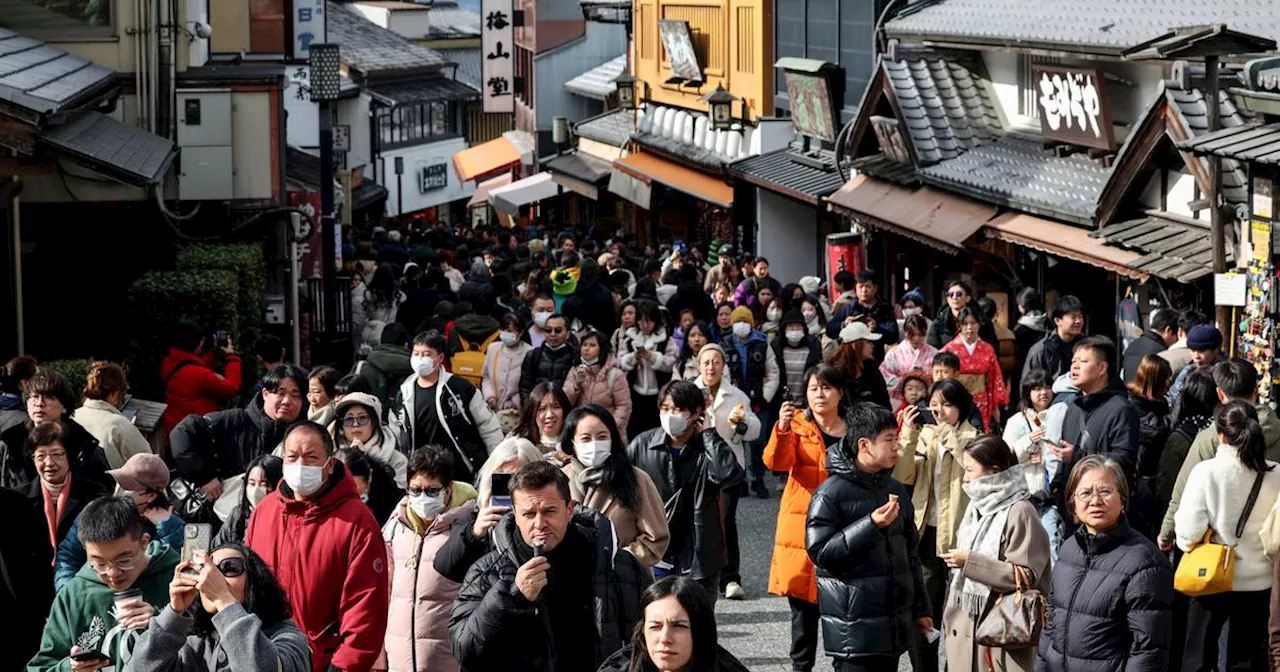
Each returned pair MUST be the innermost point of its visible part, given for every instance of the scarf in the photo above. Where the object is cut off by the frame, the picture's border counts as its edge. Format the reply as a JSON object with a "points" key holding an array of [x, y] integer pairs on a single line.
{"points": [[55, 503], [990, 498], [588, 480]]}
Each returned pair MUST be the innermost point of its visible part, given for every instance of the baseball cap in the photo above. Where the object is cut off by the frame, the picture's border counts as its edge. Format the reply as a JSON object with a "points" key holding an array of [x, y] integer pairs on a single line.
{"points": [[857, 331], [143, 471]]}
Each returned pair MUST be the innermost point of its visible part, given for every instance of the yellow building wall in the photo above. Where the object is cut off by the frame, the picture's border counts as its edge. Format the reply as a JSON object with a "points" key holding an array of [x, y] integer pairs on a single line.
{"points": [[734, 42]]}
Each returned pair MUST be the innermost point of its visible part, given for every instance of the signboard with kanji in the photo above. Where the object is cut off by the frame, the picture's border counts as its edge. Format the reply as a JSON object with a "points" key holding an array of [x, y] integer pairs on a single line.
{"points": [[1072, 103], [497, 62], [308, 26], [677, 40], [435, 176], [811, 111]]}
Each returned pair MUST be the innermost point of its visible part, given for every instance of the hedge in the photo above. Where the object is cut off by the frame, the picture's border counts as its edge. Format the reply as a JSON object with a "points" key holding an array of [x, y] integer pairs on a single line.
{"points": [[76, 371], [159, 300], [247, 263]]}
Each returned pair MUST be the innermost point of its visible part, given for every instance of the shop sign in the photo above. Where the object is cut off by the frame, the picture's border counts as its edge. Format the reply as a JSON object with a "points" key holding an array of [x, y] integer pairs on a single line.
{"points": [[1073, 107], [681, 55], [310, 255], [497, 42], [435, 176], [308, 26], [811, 111]]}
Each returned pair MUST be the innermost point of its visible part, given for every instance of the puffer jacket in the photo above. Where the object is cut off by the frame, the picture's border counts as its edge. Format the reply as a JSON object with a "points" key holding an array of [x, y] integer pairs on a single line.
{"points": [[545, 365], [1099, 423], [494, 627], [501, 378], [222, 444], [1111, 605], [917, 467], [802, 453], [604, 385], [870, 590], [421, 599]]}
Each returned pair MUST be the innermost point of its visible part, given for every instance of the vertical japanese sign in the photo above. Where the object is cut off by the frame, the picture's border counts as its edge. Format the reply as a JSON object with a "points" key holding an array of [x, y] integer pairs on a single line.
{"points": [[497, 44], [308, 26], [845, 252], [310, 254], [1073, 107]]}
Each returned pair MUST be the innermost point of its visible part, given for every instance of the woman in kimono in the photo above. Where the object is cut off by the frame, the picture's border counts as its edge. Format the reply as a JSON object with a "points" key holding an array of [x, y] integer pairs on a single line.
{"points": [[979, 366], [911, 354]]}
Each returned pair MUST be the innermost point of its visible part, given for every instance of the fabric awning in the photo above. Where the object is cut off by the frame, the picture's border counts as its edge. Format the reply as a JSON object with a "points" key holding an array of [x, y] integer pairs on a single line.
{"points": [[1063, 240], [933, 217], [531, 189], [633, 189], [649, 168], [486, 159], [481, 197]]}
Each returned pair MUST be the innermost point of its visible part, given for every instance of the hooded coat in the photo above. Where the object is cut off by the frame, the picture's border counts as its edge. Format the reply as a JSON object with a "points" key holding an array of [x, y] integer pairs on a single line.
{"points": [[25, 580], [1051, 354], [222, 444], [193, 388], [802, 453]]}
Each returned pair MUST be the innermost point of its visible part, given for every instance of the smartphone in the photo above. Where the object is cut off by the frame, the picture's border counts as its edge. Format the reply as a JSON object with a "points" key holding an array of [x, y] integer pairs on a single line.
{"points": [[196, 540], [500, 489], [90, 656], [925, 418], [221, 338], [129, 413]]}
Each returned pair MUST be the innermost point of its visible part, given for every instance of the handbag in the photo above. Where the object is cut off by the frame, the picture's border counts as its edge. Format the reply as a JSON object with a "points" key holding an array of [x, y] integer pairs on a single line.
{"points": [[1209, 568], [1016, 619]]}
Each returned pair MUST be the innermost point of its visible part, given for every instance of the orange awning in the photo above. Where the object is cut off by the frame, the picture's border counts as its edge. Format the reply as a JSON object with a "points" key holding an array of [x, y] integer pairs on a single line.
{"points": [[485, 159], [933, 217], [650, 168], [1063, 240], [481, 197]]}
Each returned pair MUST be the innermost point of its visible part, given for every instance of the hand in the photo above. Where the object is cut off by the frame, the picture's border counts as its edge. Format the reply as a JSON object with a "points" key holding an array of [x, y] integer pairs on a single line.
{"points": [[212, 489], [885, 515], [1063, 451], [924, 624], [871, 323], [492, 401], [531, 578], [135, 616], [488, 518], [736, 415], [955, 558], [157, 515], [182, 589], [910, 415], [785, 415], [1037, 436], [850, 320], [213, 587], [229, 348], [87, 665], [1166, 545]]}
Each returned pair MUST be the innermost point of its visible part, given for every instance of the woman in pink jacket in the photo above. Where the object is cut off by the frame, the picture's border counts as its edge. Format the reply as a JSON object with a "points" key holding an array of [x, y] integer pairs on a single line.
{"points": [[599, 380], [417, 636], [500, 380]]}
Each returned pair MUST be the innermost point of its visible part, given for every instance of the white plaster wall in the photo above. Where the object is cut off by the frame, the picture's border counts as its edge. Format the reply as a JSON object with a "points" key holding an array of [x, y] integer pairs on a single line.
{"points": [[415, 158], [786, 235]]}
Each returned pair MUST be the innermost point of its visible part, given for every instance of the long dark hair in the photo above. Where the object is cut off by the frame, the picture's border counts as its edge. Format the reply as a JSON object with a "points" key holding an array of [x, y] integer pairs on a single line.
{"points": [[1198, 399], [528, 426], [382, 289], [273, 469], [264, 597], [686, 352], [955, 394], [1237, 422], [619, 475], [702, 624]]}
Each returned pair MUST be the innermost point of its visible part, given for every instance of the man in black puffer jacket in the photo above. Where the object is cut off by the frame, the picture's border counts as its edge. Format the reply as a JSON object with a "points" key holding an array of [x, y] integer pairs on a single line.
{"points": [[556, 594], [551, 361], [860, 536]]}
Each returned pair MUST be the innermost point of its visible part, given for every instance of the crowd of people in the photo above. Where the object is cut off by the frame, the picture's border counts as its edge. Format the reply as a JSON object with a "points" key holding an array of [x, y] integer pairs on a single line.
{"points": [[537, 462]]}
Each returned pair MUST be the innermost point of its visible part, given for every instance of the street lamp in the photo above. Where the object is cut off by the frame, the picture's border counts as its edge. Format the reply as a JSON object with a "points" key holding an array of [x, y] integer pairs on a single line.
{"points": [[721, 102], [626, 83], [326, 82]]}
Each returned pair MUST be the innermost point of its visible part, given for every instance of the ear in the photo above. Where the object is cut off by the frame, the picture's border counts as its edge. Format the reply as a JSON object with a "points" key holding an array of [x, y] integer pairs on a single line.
{"points": [[1222, 396]]}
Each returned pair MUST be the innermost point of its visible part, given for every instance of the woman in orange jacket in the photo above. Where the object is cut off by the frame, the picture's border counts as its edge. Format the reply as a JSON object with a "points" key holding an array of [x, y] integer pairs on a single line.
{"points": [[799, 447]]}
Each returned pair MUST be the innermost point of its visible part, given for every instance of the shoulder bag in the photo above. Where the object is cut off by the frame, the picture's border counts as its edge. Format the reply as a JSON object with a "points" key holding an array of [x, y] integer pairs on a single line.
{"points": [[1016, 619], [1209, 568]]}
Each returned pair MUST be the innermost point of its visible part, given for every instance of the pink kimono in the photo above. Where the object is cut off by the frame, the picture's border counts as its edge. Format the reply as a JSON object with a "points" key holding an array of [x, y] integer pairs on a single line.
{"points": [[900, 361]]}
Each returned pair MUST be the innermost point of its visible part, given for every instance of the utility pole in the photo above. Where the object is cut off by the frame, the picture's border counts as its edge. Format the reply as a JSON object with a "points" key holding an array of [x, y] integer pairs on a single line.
{"points": [[326, 81], [1217, 223]]}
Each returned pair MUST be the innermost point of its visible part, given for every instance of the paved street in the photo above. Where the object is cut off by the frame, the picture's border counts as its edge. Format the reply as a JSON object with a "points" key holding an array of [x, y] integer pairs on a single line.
{"points": [[758, 629]]}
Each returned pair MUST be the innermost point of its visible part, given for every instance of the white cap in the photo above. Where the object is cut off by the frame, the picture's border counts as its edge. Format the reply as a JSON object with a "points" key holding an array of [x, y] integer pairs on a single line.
{"points": [[857, 331]]}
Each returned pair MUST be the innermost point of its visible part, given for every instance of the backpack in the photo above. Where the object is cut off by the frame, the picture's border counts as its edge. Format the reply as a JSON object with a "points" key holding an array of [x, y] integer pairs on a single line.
{"points": [[469, 361]]}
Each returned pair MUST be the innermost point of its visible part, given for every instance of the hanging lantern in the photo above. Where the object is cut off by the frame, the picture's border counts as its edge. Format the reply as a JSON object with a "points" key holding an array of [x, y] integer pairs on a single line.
{"points": [[721, 103], [626, 83]]}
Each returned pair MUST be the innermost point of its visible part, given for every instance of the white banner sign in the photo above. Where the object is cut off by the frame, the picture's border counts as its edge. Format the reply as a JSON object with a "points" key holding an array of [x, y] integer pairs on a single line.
{"points": [[497, 47], [308, 26]]}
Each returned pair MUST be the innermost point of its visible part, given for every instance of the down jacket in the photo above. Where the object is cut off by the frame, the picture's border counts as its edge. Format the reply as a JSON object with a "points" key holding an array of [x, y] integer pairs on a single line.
{"points": [[870, 590], [495, 628], [802, 453], [222, 444], [604, 385], [1111, 606], [501, 378]]}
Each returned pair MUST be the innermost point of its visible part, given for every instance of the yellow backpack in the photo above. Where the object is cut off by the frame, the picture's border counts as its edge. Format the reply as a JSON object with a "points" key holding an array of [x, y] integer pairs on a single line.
{"points": [[469, 361], [1209, 568]]}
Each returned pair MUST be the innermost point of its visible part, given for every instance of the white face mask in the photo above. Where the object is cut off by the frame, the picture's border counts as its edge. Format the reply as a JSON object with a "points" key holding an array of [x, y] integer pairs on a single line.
{"points": [[304, 480], [592, 453], [540, 318], [427, 506], [423, 366], [774, 315], [590, 362], [795, 336], [741, 329], [810, 316], [256, 494], [675, 424], [509, 339], [908, 312]]}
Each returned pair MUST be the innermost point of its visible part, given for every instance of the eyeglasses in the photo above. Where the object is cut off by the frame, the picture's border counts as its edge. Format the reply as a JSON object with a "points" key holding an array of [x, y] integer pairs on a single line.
{"points": [[123, 564], [430, 492], [1085, 496], [232, 567], [956, 295], [49, 457], [556, 330], [355, 421]]}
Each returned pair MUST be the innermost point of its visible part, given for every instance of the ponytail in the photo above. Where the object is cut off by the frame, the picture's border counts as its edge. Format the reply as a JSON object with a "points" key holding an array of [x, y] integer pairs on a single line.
{"points": [[1238, 424]]}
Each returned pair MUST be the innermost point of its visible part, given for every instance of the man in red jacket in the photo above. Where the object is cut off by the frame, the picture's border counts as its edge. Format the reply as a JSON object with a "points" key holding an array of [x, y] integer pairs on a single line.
{"points": [[191, 385], [326, 549]]}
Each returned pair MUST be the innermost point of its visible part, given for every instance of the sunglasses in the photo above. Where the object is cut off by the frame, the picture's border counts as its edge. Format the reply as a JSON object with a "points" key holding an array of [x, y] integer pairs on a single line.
{"points": [[355, 421], [956, 295], [556, 330], [232, 567]]}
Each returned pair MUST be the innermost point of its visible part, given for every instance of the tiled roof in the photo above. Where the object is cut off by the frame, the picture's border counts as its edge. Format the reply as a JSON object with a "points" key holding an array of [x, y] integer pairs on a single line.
{"points": [[947, 108], [783, 172], [674, 131], [578, 165], [422, 91], [43, 78], [1018, 173], [612, 128], [885, 168], [1192, 107], [1106, 26], [1257, 143], [447, 20], [468, 62], [1171, 249], [597, 82], [372, 49], [126, 153]]}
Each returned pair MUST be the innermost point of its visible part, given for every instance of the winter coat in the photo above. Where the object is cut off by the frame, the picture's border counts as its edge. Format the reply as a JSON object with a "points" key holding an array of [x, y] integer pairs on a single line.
{"points": [[82, 614], [494, 627], [462, 549], [870, 387], [1178, 355], [604, 385], [1149, 343], [882, 312], [119, 438], [813, 359], [1110, 609], [705, 467], [470, 424], [870, 590], [473, 327], [802, 453], [621, 660], [1051, 355], [417, 637], [1175, 452], [1100, 423], [385, 368], [241, 642], [222, 444], [71, 555], [753, 367], [545, 365], [943, 330], [1214, 499], [649, 374], [328, 554], [193, 388], [17, 470], [1024, 543], [82, 492], [917, 467], [501, 378], [26, 594], [1153, 433], [1029, 330], [1017, 434], [642, 531], [727, 398]]}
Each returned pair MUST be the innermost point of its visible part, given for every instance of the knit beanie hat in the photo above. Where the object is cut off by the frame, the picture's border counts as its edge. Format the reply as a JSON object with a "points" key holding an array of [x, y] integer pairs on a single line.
{"points": [[742, 314]]}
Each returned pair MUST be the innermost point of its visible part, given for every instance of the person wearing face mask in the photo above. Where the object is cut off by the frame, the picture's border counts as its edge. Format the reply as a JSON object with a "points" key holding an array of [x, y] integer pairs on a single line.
{"points": [[690, 464], [374, 482], [913, 304], [601, 478], [647, 355], [541, 309], [753, 368], [100, 414], [796, 352], [421, 598], [868, 308], [599, 380], [815, 318], [551, 361], [260, 480], [327, 551], [772, 319], [912, 354], [503, 362], [437, 407]]}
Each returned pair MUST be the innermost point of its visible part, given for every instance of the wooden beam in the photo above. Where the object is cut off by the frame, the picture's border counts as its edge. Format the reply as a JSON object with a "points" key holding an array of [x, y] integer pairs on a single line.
{"points": [[18, 136], [19, 166]]}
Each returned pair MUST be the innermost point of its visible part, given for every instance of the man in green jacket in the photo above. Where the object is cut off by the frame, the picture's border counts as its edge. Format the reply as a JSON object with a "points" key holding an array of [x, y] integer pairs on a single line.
{"points": [[92, 613], [1237, 380]]}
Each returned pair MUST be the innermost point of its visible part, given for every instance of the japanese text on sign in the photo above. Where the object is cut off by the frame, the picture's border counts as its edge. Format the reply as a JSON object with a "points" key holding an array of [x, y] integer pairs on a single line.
{"points": [[432, 177], [1073, 107], [497, 42], [308, 26]]}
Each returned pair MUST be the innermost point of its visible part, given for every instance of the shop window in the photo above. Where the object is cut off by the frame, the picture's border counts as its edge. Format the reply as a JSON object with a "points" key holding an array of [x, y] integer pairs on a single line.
{"points": [[60, 19], [416, 124]]}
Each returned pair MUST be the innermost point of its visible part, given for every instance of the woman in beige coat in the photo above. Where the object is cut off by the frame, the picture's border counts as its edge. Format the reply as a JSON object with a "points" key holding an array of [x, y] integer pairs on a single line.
{"points": [[598, 380], [602, 478], [1000, 539]]}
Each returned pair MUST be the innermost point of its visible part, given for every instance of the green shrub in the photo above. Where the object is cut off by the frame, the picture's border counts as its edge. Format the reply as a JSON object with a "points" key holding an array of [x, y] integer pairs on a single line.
{"points": [[159, 300], [247, 263], [76, 371]]}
